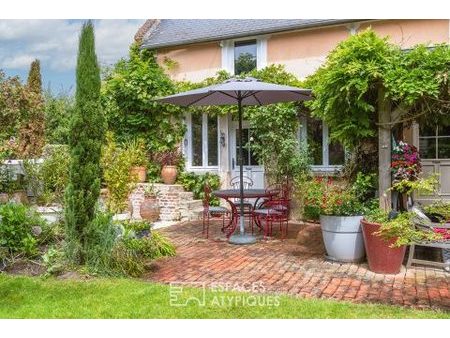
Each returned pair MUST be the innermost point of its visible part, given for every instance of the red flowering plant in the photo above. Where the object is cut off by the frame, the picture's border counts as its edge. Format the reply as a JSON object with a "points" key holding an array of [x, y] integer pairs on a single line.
{"points": [[405, 167], [324, 196], [340, 200]]}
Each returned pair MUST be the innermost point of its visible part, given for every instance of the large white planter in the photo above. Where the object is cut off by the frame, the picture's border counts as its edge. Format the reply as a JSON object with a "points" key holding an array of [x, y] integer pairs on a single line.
{"points": [[343, 239]]}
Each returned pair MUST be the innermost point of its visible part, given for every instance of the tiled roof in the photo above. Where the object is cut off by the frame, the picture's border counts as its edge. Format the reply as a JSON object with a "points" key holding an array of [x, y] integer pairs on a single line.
{"points": [[175, 32]]}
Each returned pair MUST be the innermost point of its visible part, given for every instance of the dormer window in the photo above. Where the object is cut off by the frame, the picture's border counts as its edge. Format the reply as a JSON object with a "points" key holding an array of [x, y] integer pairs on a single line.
{"points": [[245, 56]]}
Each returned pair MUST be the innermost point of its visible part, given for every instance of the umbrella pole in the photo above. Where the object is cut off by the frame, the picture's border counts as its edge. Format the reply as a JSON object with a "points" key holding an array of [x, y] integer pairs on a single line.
{"points": [[241, 238], [241, 171]]}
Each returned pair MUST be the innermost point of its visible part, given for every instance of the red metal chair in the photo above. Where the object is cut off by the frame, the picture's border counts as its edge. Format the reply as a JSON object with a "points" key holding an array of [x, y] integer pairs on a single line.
{"points": [[273, 211], [210, 211]]}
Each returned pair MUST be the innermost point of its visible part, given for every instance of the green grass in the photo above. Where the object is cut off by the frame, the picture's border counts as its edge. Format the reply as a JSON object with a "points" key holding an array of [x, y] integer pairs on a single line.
{"points": [[25, 297]]}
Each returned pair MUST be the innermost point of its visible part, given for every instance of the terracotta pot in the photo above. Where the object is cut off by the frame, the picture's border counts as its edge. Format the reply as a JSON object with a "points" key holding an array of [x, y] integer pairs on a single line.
{"points": [[150, 209], [140, 173], [20, 197], [380, 256], [4, 198], [169, 174]]}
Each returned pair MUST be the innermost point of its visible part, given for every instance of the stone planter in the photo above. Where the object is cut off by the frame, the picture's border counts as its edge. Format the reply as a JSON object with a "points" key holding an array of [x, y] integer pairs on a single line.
{"points": [[343, 238], [150, 209], [121, 217], [380, 256], [169, 174], [52, 214], [140, 173]]}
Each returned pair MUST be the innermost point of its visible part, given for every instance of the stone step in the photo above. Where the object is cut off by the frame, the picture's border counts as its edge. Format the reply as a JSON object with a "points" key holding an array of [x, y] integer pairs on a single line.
{"points": [[194, 204]]}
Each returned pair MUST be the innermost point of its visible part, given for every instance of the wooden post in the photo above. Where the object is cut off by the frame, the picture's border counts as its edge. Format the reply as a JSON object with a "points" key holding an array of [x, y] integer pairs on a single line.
{"points": [[384, 150]]}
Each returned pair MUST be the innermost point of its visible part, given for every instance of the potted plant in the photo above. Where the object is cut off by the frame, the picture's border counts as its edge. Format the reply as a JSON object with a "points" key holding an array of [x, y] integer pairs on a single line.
{"points": [[340, 217], [169, 160], [406, 169], [150, 207], [386, 238], [138, 156]]}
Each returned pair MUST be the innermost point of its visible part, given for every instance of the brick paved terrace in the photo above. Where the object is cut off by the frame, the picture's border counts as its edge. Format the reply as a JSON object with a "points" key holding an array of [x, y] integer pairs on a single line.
{"points": [[294, 266]]}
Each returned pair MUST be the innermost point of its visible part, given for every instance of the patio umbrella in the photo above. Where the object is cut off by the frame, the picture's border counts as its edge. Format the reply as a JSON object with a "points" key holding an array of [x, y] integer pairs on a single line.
{"points": [[241, 92]]}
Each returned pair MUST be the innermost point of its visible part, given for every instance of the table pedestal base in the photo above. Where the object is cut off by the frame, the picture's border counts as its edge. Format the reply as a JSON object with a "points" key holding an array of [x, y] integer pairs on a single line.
{"points": [[241, 239]]}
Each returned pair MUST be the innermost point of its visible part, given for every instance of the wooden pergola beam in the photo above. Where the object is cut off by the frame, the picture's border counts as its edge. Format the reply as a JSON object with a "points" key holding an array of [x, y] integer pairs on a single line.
{"points": [[384, 149]]}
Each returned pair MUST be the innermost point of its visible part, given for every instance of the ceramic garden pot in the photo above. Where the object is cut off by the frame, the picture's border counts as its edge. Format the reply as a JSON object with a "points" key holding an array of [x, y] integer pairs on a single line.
{"points": [[380, 256], [169, 174], [140, 173], [343, 238], [150, 209]]}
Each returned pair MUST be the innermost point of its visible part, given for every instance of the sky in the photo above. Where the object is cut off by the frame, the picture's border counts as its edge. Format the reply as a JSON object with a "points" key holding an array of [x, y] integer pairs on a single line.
{"points": [[55, 44]]}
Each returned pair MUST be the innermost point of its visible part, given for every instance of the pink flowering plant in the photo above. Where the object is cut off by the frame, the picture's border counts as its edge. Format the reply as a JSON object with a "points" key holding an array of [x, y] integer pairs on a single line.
{"points": [[405, 167]]}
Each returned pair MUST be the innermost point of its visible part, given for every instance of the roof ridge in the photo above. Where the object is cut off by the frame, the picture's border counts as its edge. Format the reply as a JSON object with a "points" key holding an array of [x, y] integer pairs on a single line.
{"points": [[146, 29], [176, 32]]}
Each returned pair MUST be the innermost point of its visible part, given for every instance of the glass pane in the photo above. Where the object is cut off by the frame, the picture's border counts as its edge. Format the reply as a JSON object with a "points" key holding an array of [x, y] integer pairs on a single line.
{"points": [[427, 130], [314, 140], [427, 147], [212, 140], [444, 130], [252, 157], [336, 153], [244, 56], [245, 152], [444, 147], [197, 146]]}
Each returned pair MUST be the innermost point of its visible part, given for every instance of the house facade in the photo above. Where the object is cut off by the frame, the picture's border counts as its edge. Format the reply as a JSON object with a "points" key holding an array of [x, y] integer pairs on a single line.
{"points": [[196, 49]]}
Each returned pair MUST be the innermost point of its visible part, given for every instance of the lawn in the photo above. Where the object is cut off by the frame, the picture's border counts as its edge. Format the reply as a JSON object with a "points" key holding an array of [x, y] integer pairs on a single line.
{"points": [[26, 297]]}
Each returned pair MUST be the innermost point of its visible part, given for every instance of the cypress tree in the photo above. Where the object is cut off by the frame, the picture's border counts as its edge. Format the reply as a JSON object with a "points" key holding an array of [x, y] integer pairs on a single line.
{"points": [[85, 140]]}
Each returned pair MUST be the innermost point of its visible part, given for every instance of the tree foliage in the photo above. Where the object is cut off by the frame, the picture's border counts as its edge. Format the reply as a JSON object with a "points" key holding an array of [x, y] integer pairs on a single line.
{"points": [[127, 96], [346, 86], [31, 133], [85, 141], [58, 110], [34, 81], [275, 129], [20, 116]]}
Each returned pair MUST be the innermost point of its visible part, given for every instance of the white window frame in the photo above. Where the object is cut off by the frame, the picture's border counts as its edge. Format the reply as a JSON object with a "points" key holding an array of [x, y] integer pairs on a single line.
{"points": [[228, 52], [325, 166], [187, 144]]}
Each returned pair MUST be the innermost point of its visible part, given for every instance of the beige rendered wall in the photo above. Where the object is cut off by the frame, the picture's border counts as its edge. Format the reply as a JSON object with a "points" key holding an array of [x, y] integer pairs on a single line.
{"points": [[407, 33], [193, 62], [303, 52]]}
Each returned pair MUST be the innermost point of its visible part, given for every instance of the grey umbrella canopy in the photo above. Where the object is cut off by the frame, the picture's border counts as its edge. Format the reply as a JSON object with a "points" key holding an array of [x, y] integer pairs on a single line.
{"points": [[241, 92], [250, 91]]}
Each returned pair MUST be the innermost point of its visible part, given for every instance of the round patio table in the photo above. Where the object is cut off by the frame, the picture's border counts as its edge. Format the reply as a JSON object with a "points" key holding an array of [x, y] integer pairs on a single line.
{"points": [[230, 194]]}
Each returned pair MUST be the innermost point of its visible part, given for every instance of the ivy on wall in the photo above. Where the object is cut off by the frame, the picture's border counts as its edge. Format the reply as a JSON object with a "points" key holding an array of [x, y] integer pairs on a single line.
{"points": [[127, 98]]}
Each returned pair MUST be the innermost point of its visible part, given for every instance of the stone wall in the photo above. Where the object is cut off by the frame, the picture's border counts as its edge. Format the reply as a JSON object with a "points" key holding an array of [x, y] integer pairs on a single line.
{"points": [[176, 204]]}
